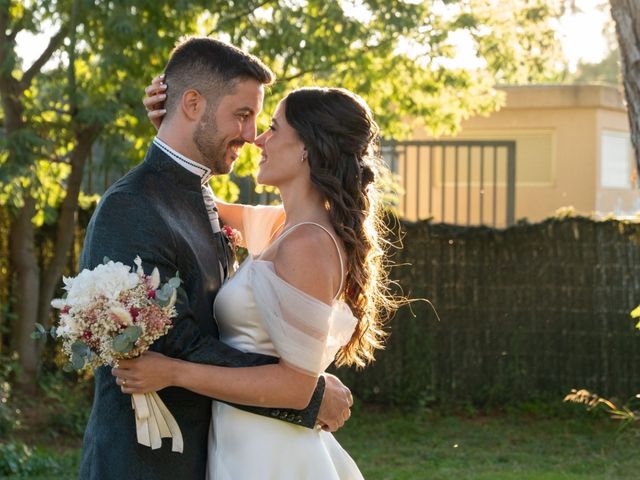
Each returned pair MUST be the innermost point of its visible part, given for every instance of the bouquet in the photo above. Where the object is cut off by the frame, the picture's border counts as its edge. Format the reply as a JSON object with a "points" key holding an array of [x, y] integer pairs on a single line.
{"points": [[110, 313]]}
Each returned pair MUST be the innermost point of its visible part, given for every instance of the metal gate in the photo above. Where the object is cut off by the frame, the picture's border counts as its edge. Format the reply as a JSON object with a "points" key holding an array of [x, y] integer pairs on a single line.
{"points": [[463, 182]]}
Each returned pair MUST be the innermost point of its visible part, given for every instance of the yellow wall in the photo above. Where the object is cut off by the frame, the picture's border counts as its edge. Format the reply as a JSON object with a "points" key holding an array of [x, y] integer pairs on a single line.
{"points": [[557, 130]]}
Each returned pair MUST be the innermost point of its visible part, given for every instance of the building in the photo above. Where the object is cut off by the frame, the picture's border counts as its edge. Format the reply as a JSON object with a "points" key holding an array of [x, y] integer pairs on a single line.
{"points": [[572, 149]]}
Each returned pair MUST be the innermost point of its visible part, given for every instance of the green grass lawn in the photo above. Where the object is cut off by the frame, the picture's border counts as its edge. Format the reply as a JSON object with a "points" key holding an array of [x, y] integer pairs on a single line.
{"points": [[395, 444], [392, 444]]}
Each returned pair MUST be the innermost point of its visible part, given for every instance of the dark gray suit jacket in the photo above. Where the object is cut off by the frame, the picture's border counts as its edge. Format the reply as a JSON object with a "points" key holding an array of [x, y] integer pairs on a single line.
{"points": [[157, 211]]}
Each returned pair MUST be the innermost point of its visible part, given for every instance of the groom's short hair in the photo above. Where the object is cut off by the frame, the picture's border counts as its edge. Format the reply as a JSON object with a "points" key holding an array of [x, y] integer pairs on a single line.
{"points": [[211, 67]]}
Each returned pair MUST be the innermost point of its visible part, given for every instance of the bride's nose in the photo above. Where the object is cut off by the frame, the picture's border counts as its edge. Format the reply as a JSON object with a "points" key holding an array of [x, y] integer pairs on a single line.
{"points": [[260, 139]]}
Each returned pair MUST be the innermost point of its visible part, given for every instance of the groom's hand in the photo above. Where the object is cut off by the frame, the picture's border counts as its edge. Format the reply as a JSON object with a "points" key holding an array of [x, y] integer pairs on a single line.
{"points": [[335, 408]]}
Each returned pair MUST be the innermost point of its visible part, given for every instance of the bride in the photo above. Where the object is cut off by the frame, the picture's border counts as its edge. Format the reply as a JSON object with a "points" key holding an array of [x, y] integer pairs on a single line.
{"points": [[311, 290]]}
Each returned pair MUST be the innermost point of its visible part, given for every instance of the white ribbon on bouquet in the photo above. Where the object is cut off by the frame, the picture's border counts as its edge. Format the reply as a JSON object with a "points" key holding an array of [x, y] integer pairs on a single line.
{"points": [[154, 422]]}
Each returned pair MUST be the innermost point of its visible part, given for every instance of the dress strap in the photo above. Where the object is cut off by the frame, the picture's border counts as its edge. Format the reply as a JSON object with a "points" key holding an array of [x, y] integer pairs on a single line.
{"points": [[335, 242]]}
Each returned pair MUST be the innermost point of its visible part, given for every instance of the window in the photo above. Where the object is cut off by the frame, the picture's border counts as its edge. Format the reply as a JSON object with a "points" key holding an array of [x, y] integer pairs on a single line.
{"points": [[615, 160]]}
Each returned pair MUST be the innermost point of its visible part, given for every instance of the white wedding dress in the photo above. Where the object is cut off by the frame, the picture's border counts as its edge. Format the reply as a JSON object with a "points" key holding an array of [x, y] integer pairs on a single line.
{"points": [[257, 311]]}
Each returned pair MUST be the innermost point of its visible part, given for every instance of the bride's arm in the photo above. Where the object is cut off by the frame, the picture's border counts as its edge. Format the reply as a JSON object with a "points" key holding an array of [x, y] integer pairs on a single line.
{"points": [[277, 386], [296, 261], [232, 214]]}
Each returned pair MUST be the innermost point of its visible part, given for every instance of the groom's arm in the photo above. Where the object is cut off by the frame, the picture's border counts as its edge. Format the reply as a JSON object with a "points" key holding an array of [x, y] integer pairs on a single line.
{"points": [[123, 228]]}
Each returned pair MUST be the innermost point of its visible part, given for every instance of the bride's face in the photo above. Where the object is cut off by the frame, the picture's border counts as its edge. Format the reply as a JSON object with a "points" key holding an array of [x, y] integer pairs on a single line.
{"points": [[282, 152]]}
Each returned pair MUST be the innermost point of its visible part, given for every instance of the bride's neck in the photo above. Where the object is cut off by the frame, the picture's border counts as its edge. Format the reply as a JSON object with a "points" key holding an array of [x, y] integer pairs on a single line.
{"points": [[303, 205]]}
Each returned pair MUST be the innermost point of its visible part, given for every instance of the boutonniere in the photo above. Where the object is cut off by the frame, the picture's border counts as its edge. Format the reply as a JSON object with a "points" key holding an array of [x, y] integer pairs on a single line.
{"points": [[233, 235]]}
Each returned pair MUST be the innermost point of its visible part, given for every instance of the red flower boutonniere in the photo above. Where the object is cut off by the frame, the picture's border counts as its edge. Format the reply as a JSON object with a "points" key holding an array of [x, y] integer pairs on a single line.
{"points": [[234, 236]]}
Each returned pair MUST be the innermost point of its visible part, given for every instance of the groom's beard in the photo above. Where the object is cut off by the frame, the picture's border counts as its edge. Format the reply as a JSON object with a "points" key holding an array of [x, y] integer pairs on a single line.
{"points": [[211, 145]]}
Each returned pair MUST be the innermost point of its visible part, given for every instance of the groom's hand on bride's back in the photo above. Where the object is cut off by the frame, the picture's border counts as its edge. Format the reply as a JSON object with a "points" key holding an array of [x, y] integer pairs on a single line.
{"points": [[335, 409]]}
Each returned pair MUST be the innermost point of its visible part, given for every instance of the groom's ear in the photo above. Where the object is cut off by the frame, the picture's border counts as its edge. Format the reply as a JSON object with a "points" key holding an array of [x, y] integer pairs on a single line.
{"points": [[193, 104]]}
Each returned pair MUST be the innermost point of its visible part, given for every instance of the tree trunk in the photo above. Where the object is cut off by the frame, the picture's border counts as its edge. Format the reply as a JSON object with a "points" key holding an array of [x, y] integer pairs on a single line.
{"points": [[66, 222], [27, 273], [626, 15]]}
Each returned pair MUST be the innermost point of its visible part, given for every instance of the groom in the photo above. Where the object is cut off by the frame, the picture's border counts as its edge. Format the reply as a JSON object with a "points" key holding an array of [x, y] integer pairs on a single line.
{"points": [[158, 211]]}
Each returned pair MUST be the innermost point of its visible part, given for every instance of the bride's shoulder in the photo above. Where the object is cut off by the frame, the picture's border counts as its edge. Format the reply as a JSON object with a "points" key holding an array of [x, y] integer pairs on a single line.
{"points": [[307, 259]]}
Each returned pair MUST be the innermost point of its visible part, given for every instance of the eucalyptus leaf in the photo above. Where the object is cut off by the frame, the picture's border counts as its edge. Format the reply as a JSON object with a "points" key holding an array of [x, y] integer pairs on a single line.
{"points": [[174, 282], [133, 333], [81, 349], [68, 367], [53, 332], [161, 302], [39, 333], [122, 343], [77, 361], [106, 260], [163, 295], [37, 336]]}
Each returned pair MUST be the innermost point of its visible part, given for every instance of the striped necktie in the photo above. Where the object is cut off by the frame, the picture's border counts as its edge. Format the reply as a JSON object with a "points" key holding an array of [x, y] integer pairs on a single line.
{"points": [[220, 241]]}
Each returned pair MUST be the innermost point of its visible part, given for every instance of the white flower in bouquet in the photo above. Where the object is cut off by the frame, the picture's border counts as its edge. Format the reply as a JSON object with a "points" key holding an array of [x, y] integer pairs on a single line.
{"points": [[106, 280]]}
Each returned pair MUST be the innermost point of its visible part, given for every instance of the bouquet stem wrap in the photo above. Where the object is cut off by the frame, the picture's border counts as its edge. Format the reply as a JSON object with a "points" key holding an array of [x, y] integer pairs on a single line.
{"points": [[155, 422]]}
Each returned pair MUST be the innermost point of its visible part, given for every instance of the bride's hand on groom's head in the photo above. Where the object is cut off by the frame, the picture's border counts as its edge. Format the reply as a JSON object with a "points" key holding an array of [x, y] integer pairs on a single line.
{"points": [[149, 372], [336, 405], [155, 95]]}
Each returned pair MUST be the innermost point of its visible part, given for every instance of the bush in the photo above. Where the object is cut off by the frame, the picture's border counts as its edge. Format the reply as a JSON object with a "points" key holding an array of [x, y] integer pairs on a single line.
{"points": [[70, 402], [16, 458], [9, 416]]}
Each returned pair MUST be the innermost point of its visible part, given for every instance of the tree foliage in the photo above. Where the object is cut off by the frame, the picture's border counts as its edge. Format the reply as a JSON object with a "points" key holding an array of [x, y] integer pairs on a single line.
{"points": [[517, 38], [81, 99]]}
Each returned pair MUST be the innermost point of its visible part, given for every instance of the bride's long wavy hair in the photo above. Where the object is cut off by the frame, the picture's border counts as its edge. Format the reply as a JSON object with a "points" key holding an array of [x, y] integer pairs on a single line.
{"points": [[341, 138]]}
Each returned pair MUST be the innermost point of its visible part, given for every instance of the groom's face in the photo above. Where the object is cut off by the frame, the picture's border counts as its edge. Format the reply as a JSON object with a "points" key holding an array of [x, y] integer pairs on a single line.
{"points": [[224, 128]]}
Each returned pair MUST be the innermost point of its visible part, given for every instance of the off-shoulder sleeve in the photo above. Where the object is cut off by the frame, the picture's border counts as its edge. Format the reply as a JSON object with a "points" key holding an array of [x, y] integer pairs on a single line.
{"points": [[258, 223], [305, 332]]}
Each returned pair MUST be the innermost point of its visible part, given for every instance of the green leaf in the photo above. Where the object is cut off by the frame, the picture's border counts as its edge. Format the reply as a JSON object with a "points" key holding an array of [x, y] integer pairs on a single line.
{"points": [[77, 361], [122, 344], [174, 282], [39, 332], [163, 295], [37, 336], [133, 333], [106, 260], [81, 349]]}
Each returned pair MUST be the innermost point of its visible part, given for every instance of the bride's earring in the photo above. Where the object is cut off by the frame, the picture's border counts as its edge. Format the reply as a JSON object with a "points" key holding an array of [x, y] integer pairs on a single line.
{"points": [[304, 156]]}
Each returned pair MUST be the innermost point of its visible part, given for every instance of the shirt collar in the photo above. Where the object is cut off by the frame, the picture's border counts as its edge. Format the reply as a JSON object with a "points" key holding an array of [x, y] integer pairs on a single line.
{"points": [[192, 166]]}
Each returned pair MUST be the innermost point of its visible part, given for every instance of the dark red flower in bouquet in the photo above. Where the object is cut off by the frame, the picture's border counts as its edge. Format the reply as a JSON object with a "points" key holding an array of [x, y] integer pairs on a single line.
{"points": [[135, 311]]}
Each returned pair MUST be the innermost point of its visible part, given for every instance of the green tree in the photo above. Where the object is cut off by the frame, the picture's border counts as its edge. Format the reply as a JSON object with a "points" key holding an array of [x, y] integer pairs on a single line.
{"points": [[517, 38], [85, 89], [605, 71], [52, 116]]}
